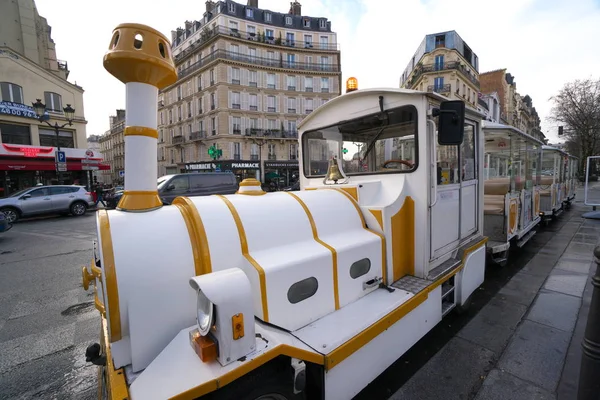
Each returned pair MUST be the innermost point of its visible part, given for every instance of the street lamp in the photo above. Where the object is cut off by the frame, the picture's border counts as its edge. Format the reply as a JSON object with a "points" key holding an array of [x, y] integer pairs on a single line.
{"points": [[260, 142], [40, 111]]}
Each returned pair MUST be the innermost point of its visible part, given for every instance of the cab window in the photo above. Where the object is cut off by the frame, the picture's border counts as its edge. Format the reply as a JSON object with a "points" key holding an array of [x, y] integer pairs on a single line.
{"points": [[180, 183], [377, 143]]}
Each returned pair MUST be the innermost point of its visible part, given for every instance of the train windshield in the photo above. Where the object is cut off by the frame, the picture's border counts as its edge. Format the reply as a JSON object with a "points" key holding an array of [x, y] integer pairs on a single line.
{"points": [[378, 143]]}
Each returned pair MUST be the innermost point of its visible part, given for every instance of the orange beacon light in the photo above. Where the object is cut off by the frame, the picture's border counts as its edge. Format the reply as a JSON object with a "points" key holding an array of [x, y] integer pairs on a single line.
{"points": [[351, 85]]}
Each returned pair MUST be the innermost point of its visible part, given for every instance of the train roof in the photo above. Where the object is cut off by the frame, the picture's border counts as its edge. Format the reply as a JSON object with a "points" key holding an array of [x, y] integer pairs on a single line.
{"points": [[495, 126]]}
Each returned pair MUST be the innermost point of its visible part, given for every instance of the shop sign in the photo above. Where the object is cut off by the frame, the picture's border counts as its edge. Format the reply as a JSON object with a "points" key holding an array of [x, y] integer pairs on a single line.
{"points": [[281, 164], [28, 151], [245, 165], [200, 167], [222, 165], [18, 110]]}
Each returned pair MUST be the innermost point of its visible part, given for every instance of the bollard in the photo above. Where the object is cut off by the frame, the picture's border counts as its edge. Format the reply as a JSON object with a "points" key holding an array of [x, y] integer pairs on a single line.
{"points": [[589, 378]]}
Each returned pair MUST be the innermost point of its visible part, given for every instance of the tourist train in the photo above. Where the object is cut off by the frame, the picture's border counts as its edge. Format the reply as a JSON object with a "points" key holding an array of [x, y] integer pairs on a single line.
{"points": [[405, 198]]}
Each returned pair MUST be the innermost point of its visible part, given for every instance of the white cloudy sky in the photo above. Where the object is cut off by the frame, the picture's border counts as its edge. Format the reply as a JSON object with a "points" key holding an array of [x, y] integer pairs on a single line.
{"points": [[543, 43]]}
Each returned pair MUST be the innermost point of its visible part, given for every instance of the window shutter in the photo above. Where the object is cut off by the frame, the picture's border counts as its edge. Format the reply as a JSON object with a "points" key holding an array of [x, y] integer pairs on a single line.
{"points": [[258, 105], [244, 99], [48, 100], [245, 77], [230, 125], [231, 152], [229, 98], [330, 85], [229, 74]]}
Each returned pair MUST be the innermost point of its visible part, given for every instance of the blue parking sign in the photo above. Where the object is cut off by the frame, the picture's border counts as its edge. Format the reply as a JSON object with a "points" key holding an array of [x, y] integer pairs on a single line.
{"points": [[61, 157]]}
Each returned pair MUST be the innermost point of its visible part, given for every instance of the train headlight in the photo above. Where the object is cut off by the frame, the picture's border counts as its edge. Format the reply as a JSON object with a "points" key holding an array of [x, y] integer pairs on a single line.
{"points": [[205, 313], [224, 300]]}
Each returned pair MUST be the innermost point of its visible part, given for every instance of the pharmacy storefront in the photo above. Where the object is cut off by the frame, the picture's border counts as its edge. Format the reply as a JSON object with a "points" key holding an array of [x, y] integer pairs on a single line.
{"points": [[241, 168]]}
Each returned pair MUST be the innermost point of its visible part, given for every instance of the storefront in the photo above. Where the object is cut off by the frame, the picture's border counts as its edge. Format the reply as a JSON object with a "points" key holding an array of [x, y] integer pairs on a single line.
{"points": [[23, 166], [284, 173], [241, 168]]}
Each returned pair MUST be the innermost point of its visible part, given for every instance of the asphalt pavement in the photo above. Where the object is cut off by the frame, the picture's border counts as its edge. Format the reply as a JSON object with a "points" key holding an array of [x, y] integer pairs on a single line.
{"points": [[46, 318]]}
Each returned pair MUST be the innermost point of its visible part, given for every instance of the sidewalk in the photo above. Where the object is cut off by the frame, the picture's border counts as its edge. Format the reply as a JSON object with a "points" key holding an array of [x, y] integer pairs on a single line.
{"points": [[525, 343]]}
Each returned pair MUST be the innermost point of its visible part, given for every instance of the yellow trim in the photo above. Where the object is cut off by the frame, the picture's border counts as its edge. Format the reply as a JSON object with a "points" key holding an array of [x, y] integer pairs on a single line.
{"points": [[364, 224], [87, 277], [252, 192], [251, 260], [99, 306], [378, 214], [311, 188], [250, 182], [197, 234], [116, 387], [137, 200], [97, 272], [231, 376], [336, 294], [108, 264], [140, 131], [364, 337], [403, 240], [352, 191]]}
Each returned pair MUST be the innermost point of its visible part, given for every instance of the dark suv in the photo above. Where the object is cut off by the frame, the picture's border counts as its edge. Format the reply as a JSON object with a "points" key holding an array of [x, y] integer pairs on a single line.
{"points": [[196, 184]]}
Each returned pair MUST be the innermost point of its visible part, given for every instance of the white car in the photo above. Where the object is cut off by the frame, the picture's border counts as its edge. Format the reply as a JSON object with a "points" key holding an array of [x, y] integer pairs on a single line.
{"points": [[38, 200]]}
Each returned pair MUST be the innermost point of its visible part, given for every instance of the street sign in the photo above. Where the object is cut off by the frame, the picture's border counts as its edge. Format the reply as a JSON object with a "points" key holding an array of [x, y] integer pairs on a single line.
{"points": [[61, 157], [217, 169], [85, 167], [121, 174], [61, 166]]}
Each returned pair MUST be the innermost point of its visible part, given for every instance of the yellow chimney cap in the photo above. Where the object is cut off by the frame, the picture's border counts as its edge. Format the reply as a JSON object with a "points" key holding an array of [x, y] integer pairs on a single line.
{"points": [[251, 187]]}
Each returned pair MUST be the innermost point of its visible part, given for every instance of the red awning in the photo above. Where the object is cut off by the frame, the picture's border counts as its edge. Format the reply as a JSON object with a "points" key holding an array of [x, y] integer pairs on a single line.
{"points": [[42, 165]]}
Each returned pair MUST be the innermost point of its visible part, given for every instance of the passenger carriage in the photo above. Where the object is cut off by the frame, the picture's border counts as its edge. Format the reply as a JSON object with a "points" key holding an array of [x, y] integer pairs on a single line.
{"points": [[552, 183], [572, 165], [511, 189]]}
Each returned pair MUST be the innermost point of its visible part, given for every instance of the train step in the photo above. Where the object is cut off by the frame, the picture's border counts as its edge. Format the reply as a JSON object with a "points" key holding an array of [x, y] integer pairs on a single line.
{"points": [[526, 238]]}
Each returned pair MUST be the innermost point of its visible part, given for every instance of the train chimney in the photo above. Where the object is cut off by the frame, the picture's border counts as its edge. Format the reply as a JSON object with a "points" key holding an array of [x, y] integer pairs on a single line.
{"points": [[141, 58]]}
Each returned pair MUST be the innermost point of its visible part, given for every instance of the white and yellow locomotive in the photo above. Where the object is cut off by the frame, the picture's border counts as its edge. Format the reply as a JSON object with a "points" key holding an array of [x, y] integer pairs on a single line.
{"points": [[309, 294]]}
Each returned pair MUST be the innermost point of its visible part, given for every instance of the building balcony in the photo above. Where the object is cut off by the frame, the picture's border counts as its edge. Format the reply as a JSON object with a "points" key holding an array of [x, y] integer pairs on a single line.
{"points": [[270, 133], [209, 34], [258, 61], [179, 139], [198, 135], [439, 88], [450, 65]]}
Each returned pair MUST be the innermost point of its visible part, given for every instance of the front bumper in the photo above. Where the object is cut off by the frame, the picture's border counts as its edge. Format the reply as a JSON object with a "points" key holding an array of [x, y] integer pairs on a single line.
{"points": [[113, 380]]}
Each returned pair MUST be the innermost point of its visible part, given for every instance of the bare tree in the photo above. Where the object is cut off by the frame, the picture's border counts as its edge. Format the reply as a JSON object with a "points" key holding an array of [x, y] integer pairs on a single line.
{"points": [[577, 108]]}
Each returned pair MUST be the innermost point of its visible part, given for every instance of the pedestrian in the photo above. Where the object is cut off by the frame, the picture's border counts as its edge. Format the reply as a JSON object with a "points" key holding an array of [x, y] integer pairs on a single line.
{"points": [[99, 198]]}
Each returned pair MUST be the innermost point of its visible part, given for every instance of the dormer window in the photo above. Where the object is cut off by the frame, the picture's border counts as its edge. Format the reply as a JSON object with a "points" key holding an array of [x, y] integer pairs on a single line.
{"points": [[306, 23], [231, 7], [323, 23], [288, 20], [249, 13], [268, 17]]}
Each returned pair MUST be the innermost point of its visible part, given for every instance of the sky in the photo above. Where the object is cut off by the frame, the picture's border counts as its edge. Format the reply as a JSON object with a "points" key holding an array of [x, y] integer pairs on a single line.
{"points": [[542, 43]]}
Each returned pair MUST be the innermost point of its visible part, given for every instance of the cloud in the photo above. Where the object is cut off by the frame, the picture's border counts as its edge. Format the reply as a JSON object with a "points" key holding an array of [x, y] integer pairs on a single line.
{"points": [[543, 43]]}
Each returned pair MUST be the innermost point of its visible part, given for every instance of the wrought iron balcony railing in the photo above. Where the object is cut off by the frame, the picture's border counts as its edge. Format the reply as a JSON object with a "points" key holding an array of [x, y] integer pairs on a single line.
{"points": [[270, 133], [456, 65], [439, 88], [179, 139], [198, 135]]}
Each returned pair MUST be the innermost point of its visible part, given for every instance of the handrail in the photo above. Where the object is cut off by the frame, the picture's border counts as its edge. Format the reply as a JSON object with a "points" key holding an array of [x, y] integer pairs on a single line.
{"points": [[433, 165]]}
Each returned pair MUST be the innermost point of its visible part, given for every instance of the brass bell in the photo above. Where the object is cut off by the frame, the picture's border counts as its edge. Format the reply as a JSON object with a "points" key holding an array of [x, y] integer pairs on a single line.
{"points": [[333, 172]]}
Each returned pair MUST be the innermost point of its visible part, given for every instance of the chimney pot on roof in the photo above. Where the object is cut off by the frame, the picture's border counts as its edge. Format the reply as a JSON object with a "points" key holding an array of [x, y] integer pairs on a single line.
{"points": [[295, 8]]}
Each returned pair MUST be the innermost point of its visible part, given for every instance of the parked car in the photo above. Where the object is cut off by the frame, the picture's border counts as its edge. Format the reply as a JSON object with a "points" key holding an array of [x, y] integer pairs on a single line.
{"points": [[46, 200], [4, 224], [192, 184], [112, 199], [293, 187]]}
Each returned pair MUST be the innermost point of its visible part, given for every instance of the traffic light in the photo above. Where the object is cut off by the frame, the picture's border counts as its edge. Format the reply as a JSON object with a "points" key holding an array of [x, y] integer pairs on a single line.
{"points": [[560, 130]]}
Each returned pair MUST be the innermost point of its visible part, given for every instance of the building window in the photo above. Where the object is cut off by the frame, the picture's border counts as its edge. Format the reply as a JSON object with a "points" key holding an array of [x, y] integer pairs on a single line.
{"points": [[306, 22], [269, 34], [438, 84], [323, 23], [439, 62], [440, 41], [324, 85], [272, 152], [189, 108], [293, 151], [212, 77], [178, 93], [291, 105], [235, 101], [253, 102], [290, 39], [252, 78], [308, 84], [249, 13], [271, 81], [11, 92], [53, 101], [271, 104], [179, 113], [213, 101], [291, 127], [324, 63], [268, 17], [324, 42], [288, 20], [15, 134], [199, 106], [291, 59], [235, 76], [254, 151], [291, 83], [213, 126], [235, 49], [236, 125], [236, 151], [308, 41], [252, 54], [251, 31], [308, 106], [48, 138], [231, 7]]}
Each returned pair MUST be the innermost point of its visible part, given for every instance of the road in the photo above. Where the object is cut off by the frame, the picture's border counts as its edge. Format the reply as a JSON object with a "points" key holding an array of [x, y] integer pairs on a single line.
{"points": [[46, 318]]}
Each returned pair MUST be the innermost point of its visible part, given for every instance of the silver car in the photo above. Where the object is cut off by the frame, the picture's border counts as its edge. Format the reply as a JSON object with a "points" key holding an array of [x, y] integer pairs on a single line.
{"points": [[46, 200]]}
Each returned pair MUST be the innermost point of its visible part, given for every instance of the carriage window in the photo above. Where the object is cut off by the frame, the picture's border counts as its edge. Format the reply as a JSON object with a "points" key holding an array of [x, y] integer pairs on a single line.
{"points": [[367, 145], [467, 154]]}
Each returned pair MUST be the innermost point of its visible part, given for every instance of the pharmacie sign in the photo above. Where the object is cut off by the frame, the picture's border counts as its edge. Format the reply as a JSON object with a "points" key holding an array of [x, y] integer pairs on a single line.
{"points": [[17, 110], [244, 165], [221, 165]]}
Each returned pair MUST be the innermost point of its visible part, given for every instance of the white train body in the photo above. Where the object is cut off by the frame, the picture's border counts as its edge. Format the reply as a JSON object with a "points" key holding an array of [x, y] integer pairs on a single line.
{"points": [[335, 281]]}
